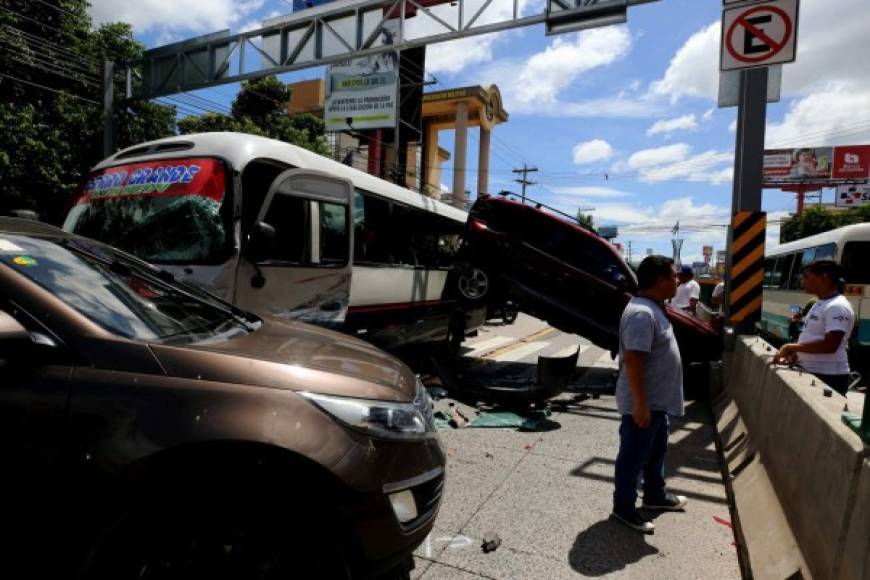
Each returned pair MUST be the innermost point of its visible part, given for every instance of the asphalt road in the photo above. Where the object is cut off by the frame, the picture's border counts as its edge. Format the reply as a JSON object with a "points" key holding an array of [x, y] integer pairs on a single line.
{"points": [[547, 494]]}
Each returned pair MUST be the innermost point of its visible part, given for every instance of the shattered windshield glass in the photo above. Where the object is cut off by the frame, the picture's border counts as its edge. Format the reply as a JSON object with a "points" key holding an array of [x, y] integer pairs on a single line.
{"points": [[167, 211]]}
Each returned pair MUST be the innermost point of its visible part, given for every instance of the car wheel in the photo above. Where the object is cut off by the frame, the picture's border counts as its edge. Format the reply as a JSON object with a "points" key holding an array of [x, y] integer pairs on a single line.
{"points": [[196, 539], [473, 284]]}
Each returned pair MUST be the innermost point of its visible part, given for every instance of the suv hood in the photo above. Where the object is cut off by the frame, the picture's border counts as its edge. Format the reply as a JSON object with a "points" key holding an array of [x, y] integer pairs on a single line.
{"points": [[297, 356]]}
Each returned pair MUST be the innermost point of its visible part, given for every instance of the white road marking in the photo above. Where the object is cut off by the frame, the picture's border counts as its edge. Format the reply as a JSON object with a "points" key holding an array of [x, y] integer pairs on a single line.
{"points": [[516, 354], [569, 350], [489, 345], [605, 362]]}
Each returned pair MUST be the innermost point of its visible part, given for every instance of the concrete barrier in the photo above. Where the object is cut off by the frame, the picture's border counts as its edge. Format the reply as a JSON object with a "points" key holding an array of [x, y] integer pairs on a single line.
{"points": [[812, 463]]}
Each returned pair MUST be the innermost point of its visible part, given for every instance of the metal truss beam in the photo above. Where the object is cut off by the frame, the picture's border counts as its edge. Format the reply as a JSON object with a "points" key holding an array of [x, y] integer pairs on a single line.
{"points": [[346, 29]]}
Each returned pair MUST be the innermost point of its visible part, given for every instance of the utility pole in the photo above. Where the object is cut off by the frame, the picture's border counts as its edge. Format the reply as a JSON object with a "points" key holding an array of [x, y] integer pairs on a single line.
{"points": [[524, 182], [629, 252]]}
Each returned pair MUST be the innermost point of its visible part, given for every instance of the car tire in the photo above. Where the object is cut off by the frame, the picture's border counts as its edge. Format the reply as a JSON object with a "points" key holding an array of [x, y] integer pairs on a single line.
{"points": [[207, 537], [473, 284]]}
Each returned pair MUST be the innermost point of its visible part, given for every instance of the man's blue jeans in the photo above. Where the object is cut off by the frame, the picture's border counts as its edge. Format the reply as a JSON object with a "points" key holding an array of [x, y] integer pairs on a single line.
{"points": [[641, 449]]}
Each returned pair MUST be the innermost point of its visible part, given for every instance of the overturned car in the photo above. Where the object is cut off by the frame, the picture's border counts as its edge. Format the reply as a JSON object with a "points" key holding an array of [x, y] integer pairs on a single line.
{"points": [[559, 271]]}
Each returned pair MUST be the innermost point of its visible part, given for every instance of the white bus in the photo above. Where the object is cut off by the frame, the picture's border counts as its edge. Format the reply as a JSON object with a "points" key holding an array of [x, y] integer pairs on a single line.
{"points": [[783, 290], [280, 230]]}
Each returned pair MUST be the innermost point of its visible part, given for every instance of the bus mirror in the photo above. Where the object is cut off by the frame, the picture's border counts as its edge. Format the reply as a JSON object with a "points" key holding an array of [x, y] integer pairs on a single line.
{"points": [[260, 242]]}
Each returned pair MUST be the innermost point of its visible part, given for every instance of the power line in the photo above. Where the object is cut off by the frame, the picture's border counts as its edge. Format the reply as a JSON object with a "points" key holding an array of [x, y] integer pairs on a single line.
{"points": [[4, 75]]}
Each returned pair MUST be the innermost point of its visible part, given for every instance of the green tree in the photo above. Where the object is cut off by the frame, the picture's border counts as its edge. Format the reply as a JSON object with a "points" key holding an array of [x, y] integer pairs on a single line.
{"points": [[51, 117], [817, 219], [261, 108], [585, 220]]}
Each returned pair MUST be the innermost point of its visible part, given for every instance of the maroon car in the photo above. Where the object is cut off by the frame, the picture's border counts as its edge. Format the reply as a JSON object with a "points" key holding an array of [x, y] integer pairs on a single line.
{"points": [[152, 431], [559, 271]]}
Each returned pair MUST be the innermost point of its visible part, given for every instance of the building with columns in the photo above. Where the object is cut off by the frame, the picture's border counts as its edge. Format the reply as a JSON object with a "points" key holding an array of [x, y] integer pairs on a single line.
{"points": [[452, 109], [459, 109]]}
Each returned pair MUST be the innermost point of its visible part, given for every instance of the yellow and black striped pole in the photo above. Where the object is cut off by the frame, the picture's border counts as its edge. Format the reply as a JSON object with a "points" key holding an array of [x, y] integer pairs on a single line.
{"points": [[746, 273]]}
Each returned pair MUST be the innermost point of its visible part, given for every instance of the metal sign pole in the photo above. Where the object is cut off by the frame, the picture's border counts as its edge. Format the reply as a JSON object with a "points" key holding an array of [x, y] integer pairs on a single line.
{"points": [[749, 160]]}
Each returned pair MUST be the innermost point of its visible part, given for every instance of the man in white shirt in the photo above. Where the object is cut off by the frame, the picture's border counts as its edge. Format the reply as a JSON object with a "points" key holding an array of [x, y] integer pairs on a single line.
{"points": [[688, 292], [718, 295], [821, 346]]}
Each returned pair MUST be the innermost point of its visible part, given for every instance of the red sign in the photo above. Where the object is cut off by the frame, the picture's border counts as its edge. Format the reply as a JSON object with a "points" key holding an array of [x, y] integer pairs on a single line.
{"points": [[166, 177], [759, 34], [852, 162]]}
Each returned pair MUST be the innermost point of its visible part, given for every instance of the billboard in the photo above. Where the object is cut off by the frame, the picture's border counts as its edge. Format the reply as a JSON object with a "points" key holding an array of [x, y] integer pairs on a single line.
{"points": [[852, 162], [798, 165], [608, 232], [708, 253], [362, 93], [822, 166], [852, 195]]}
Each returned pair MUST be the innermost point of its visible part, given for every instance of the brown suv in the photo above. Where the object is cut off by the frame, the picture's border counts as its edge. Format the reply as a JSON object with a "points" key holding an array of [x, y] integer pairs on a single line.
{"points": [[151, 430]]}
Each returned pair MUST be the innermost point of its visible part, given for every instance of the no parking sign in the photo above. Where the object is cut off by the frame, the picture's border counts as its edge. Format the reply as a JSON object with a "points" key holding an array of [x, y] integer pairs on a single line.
{"points": [[759, 34]]}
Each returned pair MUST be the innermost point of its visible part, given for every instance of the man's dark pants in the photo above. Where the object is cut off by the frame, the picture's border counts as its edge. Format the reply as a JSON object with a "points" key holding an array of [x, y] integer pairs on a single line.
{"points": [[839, 383], [641, 449]]}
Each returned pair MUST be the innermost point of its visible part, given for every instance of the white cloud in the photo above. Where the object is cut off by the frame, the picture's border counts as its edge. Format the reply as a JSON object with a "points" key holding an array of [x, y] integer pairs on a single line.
{"points": [[836, 116], [164, 17], [675, 162], [592, 151], [825, 77], [533, 85], [694, 70], [708, 114], [258, 22], [732, 128], [658, 156], [458, 55], [590, 191], [666, 126]]}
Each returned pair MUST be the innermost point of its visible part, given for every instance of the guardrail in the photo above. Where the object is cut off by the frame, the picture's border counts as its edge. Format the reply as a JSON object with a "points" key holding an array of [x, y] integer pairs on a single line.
{"points": [[800, 478]]}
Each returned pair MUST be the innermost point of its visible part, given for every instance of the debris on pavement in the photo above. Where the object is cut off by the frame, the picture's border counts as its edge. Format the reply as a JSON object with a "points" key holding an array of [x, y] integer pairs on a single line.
{"points": [[534, 421], [441, 419], [491, 542], [436, 392], [458, 419]]}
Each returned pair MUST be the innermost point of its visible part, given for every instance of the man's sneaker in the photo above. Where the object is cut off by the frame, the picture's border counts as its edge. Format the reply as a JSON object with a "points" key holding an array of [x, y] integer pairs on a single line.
{"points": [[635, 521], [671, 502]]}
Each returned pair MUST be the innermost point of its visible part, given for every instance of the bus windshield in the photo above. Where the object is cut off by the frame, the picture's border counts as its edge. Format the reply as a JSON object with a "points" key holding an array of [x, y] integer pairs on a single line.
{"points": [[167, 211]]}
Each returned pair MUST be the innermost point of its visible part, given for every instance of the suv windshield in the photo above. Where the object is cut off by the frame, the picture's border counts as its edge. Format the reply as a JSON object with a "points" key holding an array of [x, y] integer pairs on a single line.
{"points": [[120, 294], [166, 211]]}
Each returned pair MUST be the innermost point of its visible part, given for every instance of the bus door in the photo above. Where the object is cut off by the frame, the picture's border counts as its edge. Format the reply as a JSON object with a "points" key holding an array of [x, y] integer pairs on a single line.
{"points": [[303, 270]]}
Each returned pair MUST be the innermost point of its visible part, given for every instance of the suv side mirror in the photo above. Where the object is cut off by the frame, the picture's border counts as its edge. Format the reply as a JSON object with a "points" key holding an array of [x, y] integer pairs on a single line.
{"points": [[260, 242], [15, 341]]}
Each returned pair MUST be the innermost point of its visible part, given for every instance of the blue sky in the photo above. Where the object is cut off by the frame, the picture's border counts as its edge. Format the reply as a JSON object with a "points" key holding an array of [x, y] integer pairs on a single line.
{"points": [[623, 119]]}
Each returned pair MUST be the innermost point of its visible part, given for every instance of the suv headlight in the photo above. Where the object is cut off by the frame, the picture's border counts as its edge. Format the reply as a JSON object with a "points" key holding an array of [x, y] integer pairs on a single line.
{"points": [[383, 419]]}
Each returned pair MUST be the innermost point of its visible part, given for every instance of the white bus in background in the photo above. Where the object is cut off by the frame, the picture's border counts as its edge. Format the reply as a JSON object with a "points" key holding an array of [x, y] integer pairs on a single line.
{"points": [[783, 290], [279, 230]]}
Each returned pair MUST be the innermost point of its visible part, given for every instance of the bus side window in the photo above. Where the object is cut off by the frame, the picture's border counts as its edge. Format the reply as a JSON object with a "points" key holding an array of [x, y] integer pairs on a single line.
{"points": [[371, 230], [803, 258], [826, 252], [256, 179], [856, 262], [768, 271], [333, 234], [781, 271], [289, 215]]}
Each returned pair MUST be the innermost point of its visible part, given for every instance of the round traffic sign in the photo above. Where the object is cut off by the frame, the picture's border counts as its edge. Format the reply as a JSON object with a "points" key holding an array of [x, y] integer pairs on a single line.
{"points": [[743, 24]]}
